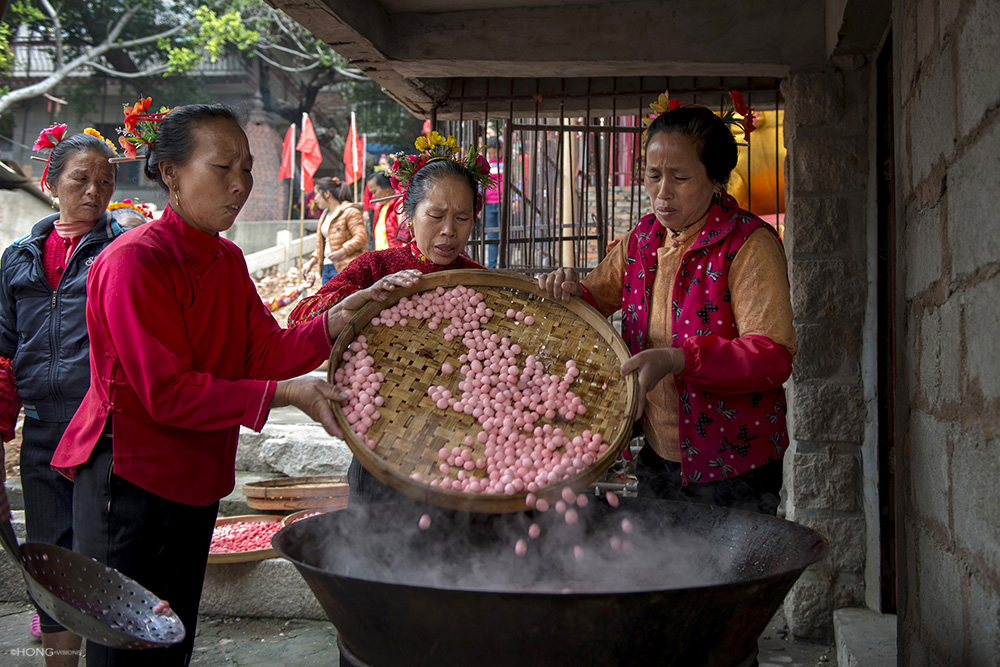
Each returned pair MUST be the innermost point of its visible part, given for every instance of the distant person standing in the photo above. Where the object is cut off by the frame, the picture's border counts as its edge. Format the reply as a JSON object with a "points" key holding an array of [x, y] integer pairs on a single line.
{"points": [[491, 212], [383, 166], [340, 234], [386, 226], [130, 214]]}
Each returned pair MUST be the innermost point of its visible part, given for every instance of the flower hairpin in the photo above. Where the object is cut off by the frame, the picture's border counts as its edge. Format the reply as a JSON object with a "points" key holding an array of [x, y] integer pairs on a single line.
{"points": [[140, 128], [94, 133], [746, 121], [142, 208], [437, 147], [48, 139]]}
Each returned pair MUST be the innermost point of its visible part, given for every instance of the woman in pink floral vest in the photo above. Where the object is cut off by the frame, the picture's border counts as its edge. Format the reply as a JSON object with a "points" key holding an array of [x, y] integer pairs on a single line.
{"points": [[703, 289]]}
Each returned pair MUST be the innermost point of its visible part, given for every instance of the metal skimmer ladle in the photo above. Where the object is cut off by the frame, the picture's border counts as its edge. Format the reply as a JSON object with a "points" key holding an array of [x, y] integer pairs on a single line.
{"points": [[93, 600]]}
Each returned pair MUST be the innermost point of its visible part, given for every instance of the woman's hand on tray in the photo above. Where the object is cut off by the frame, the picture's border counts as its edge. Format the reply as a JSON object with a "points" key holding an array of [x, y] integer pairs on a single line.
{"points": [[312, 396], [653, 365], [341, 314], [560, 284]]}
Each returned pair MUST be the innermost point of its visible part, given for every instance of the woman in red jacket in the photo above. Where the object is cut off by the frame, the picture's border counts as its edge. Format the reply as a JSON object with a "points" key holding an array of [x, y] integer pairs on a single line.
{"points": [[183, 352]]}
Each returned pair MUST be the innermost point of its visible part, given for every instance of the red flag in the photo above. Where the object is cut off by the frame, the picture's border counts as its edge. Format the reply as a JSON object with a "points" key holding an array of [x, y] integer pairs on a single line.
{"points": [[354, 154], [288, 154], [311, 156]]}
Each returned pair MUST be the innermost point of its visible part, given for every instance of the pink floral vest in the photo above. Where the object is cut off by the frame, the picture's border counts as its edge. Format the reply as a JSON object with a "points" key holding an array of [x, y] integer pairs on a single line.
{"points": [[721, 434]]}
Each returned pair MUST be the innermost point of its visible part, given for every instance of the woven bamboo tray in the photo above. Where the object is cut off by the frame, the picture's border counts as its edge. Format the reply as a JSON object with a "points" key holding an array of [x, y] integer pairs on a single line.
{"points": [[412, 429], [244, 556], [298, 493]]}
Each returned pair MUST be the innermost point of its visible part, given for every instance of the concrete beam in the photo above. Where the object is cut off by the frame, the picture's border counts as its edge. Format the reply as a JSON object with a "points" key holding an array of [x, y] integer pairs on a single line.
{"points": [[764, 38], [414, 54], [856, 26]]}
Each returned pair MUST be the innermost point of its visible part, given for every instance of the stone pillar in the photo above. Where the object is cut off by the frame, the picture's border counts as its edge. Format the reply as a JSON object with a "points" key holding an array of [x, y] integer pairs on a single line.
{"points": [[826, 133]]}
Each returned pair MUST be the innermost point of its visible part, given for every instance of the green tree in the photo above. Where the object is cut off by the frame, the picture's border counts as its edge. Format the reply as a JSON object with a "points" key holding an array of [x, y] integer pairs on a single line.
{"points": [[128, 39]]}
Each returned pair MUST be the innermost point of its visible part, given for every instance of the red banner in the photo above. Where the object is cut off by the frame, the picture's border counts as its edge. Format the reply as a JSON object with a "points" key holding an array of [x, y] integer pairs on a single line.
{"points": [[354, 154], [288, 154], [311, 157]]}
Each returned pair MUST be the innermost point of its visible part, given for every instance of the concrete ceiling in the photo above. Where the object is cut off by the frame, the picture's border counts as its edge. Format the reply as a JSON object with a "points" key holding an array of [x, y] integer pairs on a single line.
{"points": [[425, 53]]}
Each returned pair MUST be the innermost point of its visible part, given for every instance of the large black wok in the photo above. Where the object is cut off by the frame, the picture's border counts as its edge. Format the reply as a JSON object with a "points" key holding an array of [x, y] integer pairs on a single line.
{"points": [[698, 587]]}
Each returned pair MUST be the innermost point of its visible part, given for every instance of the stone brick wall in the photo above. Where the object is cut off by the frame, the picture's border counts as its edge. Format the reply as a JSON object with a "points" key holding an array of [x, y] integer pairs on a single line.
{"points": [[826, 121], [948, 175]]}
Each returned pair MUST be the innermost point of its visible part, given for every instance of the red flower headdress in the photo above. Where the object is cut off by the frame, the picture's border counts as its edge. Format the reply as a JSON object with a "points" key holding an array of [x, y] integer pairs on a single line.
{"points": [[140, 127], [48, 139], [746, 120], [437, 147]]}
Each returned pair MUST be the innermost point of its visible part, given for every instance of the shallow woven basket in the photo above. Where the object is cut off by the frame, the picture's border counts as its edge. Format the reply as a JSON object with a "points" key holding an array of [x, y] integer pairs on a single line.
{"points": [[412, 429]]}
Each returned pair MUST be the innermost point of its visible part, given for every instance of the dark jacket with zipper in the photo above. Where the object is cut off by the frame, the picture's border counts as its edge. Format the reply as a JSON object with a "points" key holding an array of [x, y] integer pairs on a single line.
{"points": [[44, 331]]}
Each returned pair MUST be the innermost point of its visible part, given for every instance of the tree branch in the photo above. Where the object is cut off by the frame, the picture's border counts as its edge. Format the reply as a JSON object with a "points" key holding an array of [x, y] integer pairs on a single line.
{"points": [[159, 69], [284, 67]]}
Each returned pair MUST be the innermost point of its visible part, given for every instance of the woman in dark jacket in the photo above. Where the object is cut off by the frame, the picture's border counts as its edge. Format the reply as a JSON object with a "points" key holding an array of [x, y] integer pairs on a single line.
{"points": [[44, 347]]}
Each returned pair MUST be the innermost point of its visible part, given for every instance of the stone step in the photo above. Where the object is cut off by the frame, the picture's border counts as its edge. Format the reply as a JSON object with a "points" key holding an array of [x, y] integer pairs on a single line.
{"points": [[15, 495], [864, 638], [11, 581]]}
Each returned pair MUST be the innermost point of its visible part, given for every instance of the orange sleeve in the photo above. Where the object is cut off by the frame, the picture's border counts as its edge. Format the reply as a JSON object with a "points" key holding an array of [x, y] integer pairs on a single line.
{"points": [[604, 284]]}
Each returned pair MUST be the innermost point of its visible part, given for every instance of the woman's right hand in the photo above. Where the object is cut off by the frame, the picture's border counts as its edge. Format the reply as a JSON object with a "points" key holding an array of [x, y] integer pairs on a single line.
{"points": [[380, 290], [341, 314], [560, 285], [312, 396]]}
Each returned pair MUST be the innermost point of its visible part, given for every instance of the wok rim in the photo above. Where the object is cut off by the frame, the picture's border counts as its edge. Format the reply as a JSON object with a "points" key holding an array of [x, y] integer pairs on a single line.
{"points": [[818, 548]]}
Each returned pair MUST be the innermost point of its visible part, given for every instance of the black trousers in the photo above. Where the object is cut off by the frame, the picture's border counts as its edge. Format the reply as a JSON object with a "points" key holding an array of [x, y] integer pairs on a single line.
{"points": [[160, 544], [755, 491], [48, 496]]}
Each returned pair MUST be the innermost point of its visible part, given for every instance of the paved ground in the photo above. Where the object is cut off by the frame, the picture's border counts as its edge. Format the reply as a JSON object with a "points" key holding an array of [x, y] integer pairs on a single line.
{"points": [[249, 642]]}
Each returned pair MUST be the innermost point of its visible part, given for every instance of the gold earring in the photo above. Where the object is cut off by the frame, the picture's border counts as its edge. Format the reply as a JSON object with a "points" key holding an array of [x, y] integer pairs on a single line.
{"points": [[177, 197]]}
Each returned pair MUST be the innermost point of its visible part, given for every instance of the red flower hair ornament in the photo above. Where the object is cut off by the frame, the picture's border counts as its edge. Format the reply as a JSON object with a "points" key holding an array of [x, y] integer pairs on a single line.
{"points": [[745, 122], [48, 139], [140, 128]]}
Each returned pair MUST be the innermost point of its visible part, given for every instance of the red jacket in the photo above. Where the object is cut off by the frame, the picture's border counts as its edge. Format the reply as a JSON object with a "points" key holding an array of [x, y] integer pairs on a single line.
{"points": [[182, 352]]}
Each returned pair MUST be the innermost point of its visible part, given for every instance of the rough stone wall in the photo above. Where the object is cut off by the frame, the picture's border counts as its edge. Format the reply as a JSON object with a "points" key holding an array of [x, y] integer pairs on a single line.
{"points": [[826, 132], [948, 175]]}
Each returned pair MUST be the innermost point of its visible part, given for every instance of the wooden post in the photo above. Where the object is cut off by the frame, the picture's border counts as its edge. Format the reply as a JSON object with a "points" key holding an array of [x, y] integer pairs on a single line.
{"points": [[302, 224]]}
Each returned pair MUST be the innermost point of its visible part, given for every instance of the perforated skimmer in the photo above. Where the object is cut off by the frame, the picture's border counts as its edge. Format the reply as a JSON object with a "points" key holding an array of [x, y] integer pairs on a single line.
{"points": [[91, 599]]}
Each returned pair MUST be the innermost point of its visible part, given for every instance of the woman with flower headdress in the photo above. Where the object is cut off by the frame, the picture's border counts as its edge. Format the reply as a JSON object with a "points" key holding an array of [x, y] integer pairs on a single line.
{"points": [[442, 197], [130, 214], [340, 233], [182, 354], [703, 290], [43, 336]]}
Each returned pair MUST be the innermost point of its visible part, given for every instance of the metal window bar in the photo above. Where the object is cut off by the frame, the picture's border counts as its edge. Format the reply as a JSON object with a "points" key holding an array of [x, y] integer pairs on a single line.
{"points": [[572, 183]]}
